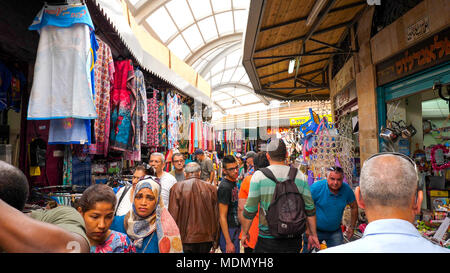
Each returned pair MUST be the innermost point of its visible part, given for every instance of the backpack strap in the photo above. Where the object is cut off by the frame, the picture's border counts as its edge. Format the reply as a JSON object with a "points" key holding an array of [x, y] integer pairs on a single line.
{"points": [[292, 173], [127, 188], [269, 174]]}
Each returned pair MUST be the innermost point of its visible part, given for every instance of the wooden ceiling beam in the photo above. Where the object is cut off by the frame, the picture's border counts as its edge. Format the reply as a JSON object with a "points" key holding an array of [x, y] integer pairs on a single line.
{"points": [[291, 78], [287, 59], [330, 28], [302, 65], [305, 54], [300, 19]]}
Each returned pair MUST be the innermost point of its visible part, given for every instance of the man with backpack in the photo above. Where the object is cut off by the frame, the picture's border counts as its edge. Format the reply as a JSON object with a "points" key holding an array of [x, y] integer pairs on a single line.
{"points": [[287, 208]]}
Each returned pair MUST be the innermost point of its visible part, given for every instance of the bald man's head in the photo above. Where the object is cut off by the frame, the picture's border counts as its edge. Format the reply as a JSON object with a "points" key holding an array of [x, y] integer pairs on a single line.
{"points": [[388, 180]]}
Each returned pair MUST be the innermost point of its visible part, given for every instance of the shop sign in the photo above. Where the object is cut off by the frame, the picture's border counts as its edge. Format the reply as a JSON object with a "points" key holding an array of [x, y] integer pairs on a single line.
{"points": [[345, 96], [300, 120], [272, 131], [428, 53], [414, 32]]}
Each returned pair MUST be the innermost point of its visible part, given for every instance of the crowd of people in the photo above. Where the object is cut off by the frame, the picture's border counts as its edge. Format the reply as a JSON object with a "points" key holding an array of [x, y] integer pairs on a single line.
{"points": [[269, 208]]}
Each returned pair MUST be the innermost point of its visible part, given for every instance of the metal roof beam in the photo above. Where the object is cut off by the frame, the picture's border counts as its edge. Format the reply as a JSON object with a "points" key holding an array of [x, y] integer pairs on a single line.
{"points": [[241, 86], [145, 8], [223, 54], [232, 38]]}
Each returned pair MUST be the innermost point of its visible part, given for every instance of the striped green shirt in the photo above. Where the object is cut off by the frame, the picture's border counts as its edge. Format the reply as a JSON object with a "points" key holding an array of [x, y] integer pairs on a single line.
{"points": [[261, 192]]}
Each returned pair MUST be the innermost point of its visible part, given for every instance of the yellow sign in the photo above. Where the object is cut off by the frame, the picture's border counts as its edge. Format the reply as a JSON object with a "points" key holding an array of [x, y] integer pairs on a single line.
{"points": [[300, 120]]}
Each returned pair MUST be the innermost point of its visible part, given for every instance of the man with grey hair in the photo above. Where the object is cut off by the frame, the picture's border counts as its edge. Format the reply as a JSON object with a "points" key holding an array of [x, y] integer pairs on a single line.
{"points": [[167, 180], [193, 205], [391, 198]]}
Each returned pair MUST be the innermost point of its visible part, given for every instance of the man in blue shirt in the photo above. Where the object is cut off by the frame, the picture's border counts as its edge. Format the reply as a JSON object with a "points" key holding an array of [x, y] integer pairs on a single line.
{"points": [[331, 196], [390, 195]]}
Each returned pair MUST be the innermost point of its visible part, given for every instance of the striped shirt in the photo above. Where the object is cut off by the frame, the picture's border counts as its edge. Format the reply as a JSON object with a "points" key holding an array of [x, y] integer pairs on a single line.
{"points": [[261, 192]]}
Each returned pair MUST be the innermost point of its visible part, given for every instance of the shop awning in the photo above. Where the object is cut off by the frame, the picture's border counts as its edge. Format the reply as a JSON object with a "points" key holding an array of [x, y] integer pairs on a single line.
{"points": [[289, 44], [113, 11]]}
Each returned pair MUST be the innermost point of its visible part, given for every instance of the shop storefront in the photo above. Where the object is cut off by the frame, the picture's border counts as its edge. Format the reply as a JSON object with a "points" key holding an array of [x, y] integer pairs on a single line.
{"points": [[413, 115]]}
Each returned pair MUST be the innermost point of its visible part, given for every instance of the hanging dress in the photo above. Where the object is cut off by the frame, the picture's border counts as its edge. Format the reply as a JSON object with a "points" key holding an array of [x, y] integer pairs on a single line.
{"points": [[104, 78], [62, 86], [153, 121], [162, 124], [123, 105]]}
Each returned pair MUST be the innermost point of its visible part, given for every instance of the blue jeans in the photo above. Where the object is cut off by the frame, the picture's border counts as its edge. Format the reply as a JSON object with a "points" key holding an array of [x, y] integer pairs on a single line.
{"points": [[234, 236], [332, 238]]}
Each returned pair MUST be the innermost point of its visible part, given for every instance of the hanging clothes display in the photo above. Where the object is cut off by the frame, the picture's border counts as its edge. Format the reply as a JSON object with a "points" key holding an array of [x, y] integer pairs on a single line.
{"points": [[173, 113], [69, 131], [104, 79], [184, 129], [137, 118], [153, 120], [61, 90], [81, 166], [123, 105], [162, 124], [67, 169], [142, 105]]}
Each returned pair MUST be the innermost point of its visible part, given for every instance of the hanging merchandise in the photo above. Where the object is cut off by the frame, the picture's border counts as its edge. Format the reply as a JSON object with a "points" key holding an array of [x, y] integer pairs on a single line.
{"points": [[184, 128], [324, 147], [69, 131], [81, 166], [67, 170], [162, 125], [60, 90], [104, 78], [142, 107], [123, 105], [173, 113], [137, 120], [153, 121]]}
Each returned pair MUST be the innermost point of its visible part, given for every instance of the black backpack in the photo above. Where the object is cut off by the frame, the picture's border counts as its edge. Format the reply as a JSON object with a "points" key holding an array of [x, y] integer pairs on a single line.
{"points": [[286, 216]]}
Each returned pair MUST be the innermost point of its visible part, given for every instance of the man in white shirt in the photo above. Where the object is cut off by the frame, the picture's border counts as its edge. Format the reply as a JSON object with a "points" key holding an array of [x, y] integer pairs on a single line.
{"points": [[167, 180], [390, 195]]}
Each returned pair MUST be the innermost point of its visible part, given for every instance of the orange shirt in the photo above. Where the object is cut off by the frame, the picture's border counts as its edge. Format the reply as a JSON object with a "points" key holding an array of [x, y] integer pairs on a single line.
{"points": [[254, 230]]}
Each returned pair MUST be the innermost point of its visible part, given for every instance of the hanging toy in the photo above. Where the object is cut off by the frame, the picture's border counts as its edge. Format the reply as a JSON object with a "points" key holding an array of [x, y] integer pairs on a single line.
{"points": [[435, 166], [311, 125]]}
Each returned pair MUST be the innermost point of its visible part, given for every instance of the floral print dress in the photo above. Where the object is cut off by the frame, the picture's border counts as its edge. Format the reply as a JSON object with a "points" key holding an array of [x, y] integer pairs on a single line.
{"points": [[117, 242]]}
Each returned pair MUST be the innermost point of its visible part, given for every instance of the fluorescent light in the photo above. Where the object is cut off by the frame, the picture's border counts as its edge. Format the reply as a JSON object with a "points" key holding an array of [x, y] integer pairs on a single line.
{"points": [[315, 11], [291, 66]]}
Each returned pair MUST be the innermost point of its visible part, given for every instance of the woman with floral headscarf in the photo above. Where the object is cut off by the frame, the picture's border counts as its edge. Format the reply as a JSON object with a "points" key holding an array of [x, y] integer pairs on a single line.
{"points": [[149, 224]]}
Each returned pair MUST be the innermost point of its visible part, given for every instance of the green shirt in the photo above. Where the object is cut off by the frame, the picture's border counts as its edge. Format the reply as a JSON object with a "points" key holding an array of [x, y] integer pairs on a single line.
{"points": [[65, 217], [261, 192]]}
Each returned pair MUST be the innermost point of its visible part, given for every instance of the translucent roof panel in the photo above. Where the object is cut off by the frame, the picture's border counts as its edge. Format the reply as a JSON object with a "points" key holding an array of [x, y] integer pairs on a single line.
{"points": [[162, 24], [193, 37], [221, 5], [180, 13], [213, 18], [206, 34], [200, 8]]}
